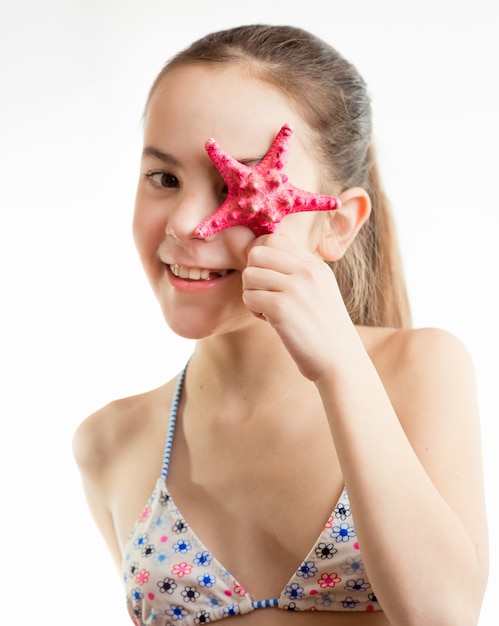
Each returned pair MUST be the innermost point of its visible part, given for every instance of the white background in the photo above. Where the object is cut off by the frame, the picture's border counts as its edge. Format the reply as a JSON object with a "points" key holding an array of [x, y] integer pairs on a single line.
{"points": [[79, 325]]}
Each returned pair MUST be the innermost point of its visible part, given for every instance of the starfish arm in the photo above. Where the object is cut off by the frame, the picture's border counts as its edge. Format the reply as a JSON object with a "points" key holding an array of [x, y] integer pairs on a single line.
{"points": [[277, 155], [260, 196], [233, 172], [310, 201]]}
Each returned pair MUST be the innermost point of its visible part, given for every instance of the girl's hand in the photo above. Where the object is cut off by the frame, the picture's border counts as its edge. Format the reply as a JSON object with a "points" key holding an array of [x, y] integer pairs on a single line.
{"points": [[297, 293]]}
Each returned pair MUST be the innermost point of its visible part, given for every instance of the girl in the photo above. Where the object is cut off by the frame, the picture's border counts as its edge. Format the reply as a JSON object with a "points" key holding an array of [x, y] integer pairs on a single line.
{"points": [[322, 462]]}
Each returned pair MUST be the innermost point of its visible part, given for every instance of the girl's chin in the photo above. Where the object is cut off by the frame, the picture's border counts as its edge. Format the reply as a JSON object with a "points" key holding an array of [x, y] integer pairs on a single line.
{"points": [[204, 326]]}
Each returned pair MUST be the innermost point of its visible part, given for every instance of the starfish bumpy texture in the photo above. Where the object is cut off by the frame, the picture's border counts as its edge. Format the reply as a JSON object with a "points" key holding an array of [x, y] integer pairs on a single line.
{"points": [[259, 196]]}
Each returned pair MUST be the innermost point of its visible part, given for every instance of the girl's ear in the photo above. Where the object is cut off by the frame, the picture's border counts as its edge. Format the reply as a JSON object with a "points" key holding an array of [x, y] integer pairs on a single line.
{"points": [[341, 226]]}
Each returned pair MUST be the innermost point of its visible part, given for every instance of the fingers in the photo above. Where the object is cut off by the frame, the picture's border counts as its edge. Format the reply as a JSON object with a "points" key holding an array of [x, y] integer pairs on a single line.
{"points": [[277, 277], [260, 303], [270, 262], [277, 253]]}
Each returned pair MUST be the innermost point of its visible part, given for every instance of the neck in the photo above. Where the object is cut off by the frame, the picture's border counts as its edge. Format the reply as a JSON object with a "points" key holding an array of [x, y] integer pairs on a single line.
{"points": [[254, 363]]}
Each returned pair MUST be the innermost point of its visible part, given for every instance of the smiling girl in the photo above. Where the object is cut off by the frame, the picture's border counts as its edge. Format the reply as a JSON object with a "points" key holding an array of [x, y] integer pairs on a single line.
{"points": [[318, 460]]}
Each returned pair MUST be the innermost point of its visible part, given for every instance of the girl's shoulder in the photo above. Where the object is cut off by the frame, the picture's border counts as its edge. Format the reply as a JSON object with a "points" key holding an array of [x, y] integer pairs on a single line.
{"points": [[426, 370], [108, 433], [412, 349]]}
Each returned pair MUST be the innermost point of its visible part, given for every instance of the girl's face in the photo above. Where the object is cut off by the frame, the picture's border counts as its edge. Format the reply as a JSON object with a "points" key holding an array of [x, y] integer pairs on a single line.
{"points": [[198, 281]]}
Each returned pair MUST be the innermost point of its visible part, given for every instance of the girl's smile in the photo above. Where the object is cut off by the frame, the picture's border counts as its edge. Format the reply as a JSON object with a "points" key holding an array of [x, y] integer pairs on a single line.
{"points": [[195, 279], [197, 273]]}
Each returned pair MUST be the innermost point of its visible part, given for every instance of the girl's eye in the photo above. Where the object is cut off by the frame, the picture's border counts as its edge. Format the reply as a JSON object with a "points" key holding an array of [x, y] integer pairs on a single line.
{"points": [[162, 179]]}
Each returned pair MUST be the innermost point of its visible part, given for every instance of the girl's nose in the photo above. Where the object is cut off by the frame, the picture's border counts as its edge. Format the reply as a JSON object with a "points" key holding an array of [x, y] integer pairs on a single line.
{"points": [[190, 211]]}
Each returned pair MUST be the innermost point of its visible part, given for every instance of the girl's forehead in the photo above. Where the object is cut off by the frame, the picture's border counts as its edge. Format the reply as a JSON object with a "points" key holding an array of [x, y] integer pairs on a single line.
{"points": [[221, 85], [225, 102]]}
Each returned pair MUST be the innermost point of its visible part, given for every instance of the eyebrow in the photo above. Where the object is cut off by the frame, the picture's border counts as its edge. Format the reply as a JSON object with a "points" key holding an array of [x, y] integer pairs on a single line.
{"points": [[151, 151], [251, 161], [169, 159]]}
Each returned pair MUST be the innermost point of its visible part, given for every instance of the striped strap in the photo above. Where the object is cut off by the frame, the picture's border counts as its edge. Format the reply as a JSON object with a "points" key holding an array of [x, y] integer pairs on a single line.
{"points": [[171, 425], [265, 604]]}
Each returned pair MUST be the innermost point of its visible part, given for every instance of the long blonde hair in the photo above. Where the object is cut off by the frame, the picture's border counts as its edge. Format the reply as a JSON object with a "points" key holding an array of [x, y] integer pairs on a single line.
{"points": [[333, 99]]}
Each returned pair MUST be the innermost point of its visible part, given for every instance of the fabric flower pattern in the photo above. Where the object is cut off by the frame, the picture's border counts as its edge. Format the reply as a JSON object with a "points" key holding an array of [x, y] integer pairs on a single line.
{"points": [[181, 569], [307, 570], [164, 590], [329, 580]]}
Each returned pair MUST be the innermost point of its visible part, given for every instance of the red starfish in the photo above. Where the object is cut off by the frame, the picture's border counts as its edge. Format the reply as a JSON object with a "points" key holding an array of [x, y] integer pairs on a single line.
{"points": [[259, 196]]}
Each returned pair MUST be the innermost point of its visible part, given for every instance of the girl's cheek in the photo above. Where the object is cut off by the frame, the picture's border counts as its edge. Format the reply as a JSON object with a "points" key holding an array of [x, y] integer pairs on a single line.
{"points": [[148, 225], [238, 240]]}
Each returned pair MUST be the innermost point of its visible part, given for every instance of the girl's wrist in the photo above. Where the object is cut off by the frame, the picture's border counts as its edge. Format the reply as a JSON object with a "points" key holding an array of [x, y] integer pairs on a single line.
{"points": [[346, 359]]}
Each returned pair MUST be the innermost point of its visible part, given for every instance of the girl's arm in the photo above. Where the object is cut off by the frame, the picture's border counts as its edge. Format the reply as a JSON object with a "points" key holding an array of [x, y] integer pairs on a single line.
{"points": [[409, 446], [414, 474], [94, 455]]}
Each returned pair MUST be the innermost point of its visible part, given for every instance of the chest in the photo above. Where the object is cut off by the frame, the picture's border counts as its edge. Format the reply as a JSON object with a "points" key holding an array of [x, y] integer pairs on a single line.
{"points": [[164, 542], [257, 493], [258, 504]]}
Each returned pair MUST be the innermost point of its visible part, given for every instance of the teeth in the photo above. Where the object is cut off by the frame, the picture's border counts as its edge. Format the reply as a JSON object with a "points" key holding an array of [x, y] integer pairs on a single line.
{"points": [[195, 273]]}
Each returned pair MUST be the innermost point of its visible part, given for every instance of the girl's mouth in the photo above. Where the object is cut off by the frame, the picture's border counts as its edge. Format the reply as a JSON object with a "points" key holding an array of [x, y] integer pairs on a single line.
{"points": [[197, 273]]}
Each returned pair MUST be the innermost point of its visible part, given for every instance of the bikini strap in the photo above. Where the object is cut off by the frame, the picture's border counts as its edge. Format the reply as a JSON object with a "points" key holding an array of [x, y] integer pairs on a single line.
{"points": [[171, 425]]}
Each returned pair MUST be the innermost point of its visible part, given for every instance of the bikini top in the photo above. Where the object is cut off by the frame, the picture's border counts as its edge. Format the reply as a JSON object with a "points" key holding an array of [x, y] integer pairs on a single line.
{"points": [[170, 577]]}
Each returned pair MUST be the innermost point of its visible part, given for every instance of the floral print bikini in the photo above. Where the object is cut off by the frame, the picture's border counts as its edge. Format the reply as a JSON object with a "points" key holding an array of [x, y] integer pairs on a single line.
{"points": [[171, 578]]}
